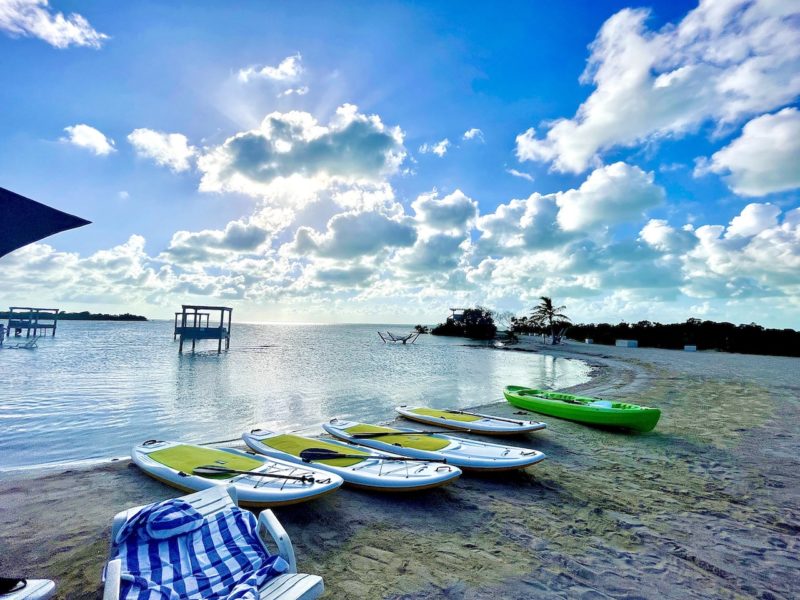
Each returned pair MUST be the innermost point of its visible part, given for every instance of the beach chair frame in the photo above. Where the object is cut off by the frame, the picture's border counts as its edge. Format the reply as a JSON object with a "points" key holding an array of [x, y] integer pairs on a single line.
{"points": [[289, 586]]}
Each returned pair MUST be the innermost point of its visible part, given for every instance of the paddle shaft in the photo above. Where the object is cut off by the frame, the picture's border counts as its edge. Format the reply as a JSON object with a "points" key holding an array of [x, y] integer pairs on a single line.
{"points": [[313, 454], [222, 470]]}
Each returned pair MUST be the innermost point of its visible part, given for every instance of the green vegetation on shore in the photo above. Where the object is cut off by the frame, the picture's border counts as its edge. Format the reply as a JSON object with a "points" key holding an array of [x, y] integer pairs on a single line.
{"points": [[546, 318], [87, 316], [475, 323], [706, 335]]}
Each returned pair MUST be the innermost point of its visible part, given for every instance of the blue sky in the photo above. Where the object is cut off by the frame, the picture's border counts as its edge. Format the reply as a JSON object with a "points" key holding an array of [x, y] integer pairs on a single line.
{"points": [[312, 162]]}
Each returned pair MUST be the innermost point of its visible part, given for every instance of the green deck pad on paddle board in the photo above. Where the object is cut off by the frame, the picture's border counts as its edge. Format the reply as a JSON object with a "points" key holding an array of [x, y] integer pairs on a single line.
{"points": [[444, 414], [418, 442], [188, 458], [295, 444]]}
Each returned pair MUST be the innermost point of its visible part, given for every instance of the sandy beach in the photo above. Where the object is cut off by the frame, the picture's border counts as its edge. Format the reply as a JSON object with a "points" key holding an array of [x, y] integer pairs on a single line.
{"points": [[707, 505]]}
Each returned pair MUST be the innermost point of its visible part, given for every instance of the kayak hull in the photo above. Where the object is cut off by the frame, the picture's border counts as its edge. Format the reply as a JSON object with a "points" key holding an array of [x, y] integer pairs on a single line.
{"points": [[476, 423], [583, 409], [466, 454], [367, 474], [158, 460]]}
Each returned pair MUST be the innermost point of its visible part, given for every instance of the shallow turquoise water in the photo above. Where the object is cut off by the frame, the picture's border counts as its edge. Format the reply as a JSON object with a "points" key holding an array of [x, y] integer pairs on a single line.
{"points": [[97, 388]]}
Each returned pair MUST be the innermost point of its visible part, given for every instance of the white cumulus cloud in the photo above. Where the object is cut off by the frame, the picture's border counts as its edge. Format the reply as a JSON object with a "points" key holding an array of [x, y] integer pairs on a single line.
{"points": [[753, 219], [439, 148], [758, 254], [34, 18], [86, 136], [658, 234], [611, 194], [166, 149], [354, 234], [213, 245], [455, 211], [300, 91], [723, 62], [764, 159], [352, 148], [473, 134], [289, 69], [520, 174]]}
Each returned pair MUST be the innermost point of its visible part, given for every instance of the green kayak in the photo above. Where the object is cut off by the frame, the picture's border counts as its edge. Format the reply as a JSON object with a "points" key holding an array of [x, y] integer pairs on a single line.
{"points": [[583, 409]]}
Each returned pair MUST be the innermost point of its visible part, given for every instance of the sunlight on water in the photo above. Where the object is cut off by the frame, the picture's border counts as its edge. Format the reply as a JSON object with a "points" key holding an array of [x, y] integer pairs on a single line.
{"points": [[97, 388]]}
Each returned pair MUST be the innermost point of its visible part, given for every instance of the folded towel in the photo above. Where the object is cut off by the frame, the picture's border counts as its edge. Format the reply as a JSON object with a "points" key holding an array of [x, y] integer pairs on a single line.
{"points": [[161, 521], [170, 552]]}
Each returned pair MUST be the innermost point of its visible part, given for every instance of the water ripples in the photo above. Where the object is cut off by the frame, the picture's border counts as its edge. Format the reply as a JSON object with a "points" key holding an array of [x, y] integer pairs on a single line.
{"points": [[97, 388]]}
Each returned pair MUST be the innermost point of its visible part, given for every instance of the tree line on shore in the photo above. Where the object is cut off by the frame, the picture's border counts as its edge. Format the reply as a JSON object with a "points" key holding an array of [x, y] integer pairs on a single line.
{"points": [[550, 320], [706, 335]]}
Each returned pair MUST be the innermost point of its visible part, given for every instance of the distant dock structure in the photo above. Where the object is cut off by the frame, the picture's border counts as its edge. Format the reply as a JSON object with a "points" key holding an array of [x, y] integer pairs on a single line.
{"points": [[29, 319], [457, 314], [179, 321], [189, 325]]}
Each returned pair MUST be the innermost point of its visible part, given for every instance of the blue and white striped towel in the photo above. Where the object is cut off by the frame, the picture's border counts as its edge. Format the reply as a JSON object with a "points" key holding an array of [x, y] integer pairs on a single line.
{"points": [[170, 551]]}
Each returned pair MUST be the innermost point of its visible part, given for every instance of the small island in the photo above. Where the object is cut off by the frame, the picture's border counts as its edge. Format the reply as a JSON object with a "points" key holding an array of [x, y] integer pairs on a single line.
{"points": [[475, 323], [87, 316]]}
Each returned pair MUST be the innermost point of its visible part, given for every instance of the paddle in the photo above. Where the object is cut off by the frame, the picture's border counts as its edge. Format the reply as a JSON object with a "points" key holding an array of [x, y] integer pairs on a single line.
{"points": [[312, 454], [215, 470], [383, 433], [463, 412]]}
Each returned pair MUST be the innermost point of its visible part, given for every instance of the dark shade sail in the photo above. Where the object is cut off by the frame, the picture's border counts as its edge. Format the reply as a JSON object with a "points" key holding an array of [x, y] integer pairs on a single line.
{"points": [[24, 221]]}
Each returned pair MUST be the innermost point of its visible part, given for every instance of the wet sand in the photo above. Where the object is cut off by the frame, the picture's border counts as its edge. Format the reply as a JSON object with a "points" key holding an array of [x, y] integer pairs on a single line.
{"points": [[707, 505]]}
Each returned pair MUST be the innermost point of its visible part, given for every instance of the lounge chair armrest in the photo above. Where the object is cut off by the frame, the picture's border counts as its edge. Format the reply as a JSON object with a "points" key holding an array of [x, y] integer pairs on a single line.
{"points": [[232, 493], [268, 523], [119, 520], [113, 573]]}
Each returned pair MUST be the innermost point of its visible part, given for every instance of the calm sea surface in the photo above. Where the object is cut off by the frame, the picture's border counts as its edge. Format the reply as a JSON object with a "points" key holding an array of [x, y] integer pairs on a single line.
{"points": [[97, 388]]}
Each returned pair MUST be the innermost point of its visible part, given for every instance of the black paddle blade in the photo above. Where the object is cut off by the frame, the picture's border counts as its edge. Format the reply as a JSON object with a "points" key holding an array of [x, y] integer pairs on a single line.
{"points": [[310, 454], [212, 470], [206, 470]]}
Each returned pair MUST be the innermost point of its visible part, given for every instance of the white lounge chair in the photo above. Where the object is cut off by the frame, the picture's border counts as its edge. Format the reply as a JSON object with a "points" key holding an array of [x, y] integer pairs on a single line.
{"points": [[288, 586]]}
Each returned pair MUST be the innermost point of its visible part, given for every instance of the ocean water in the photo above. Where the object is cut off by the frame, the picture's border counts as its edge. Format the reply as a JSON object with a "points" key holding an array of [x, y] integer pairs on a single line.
{"points": [[97, 388]]}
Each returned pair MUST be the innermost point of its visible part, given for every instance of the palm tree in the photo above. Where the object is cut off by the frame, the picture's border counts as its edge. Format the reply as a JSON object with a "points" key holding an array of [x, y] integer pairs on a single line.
{"points": [[545, 314]]}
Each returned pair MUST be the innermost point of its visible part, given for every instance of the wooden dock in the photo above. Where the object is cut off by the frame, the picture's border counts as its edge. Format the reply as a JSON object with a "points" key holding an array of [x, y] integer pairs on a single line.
{"points": [[189, 325], [178, 322], [29, 319]]}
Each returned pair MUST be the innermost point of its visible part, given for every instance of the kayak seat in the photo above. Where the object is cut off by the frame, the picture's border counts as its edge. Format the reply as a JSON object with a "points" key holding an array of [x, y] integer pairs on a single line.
{"points": [[602, 404]]}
